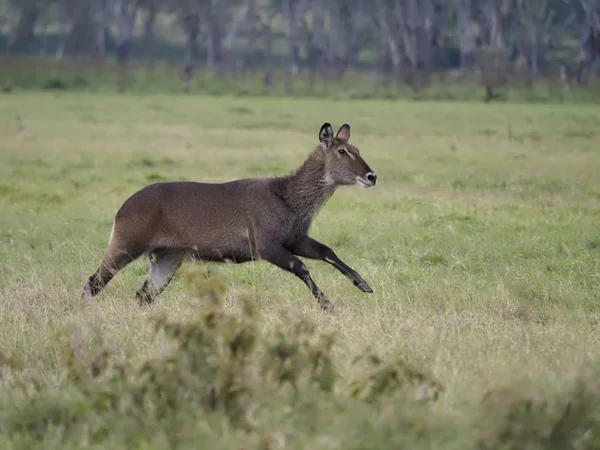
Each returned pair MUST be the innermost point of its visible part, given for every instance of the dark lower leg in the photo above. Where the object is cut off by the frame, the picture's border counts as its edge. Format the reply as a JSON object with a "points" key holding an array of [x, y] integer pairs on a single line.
{"points": [[148, 292], [163, 264], [317, 293], [311, 248], [107, 270], [285, 260], [93, 285], [145, 294], [98, 281]]}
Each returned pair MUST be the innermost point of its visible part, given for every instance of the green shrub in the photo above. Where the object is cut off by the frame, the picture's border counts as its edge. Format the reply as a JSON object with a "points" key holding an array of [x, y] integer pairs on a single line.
{"points": [[226, 382]]}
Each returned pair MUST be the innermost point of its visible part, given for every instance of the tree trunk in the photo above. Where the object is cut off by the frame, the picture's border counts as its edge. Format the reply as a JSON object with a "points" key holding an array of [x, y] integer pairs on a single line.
{"points": [[239, 60], [467, 41], [393, 52], [495, 28], [354, 43], [191, 25], [25, 30], [125, 14], [590, 41], [64, 25], [213, 22], [81, 37], [293, 51], [98, 18], [253, 35], [315, 36], [149, 33], [535, 51], [268, 45]]}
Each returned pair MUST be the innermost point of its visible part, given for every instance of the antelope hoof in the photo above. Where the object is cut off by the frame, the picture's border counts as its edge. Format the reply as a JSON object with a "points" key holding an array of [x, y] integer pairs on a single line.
{"points": [[328, 307], [363, 286], [144, 299], [324, 302], [86, 295]]}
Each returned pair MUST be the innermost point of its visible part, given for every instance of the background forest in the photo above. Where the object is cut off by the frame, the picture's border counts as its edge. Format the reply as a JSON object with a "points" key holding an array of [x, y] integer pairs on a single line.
{"points": [[296, 45]]}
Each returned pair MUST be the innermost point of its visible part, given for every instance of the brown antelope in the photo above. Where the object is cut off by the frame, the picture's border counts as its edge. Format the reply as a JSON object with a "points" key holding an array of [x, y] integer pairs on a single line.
{"points": [[237, 221]]}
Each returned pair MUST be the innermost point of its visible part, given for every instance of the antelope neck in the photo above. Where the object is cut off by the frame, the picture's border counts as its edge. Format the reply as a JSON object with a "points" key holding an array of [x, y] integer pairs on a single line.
{"points": [[306, 190]]}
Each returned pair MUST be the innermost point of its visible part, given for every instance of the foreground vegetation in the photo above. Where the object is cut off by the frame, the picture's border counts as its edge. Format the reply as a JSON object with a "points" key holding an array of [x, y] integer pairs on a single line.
{"points": [[480, 241]]}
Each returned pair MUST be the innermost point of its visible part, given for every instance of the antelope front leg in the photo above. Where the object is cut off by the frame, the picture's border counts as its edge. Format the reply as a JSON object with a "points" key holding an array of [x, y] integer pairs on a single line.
{"points": [[311, 248], [285, 260]]}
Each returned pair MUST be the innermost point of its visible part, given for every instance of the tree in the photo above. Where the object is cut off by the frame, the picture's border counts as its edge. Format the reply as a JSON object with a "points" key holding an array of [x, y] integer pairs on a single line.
{"points": [[151, 10], [124, 13], [411, 30], [189, 16], [26, 14], [464, 22], [537, 22], [410, 39], [590, 40]]}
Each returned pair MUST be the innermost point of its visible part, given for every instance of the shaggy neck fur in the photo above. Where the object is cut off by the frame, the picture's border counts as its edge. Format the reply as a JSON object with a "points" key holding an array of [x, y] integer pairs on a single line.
{"points": [[306, 190]]}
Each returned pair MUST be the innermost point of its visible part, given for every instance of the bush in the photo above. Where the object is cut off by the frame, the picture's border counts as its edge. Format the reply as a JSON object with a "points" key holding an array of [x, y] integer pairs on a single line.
{"points": [[54, 84], [219, 365], [227, 383]]}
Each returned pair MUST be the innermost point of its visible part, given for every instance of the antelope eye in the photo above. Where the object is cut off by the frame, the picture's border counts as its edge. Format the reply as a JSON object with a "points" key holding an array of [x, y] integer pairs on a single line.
{"points": [[341, 151]]}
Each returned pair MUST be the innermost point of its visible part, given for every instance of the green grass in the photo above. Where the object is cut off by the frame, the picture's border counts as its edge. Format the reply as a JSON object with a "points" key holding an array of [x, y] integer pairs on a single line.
{"points": [[91, 76], [480, 240]]}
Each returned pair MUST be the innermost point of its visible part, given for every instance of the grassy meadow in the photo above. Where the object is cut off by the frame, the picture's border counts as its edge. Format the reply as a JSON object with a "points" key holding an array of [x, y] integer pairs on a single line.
{"points": [[481, 241]]}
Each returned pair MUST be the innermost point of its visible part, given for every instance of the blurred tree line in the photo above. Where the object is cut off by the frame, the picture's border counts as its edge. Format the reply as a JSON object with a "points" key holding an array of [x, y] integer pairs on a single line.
{"points": [[406, 40]]}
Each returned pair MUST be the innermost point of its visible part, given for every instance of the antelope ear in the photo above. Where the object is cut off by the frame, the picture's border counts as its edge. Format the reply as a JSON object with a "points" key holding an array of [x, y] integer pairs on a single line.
{"points": [[326, 135], [344, 132]]}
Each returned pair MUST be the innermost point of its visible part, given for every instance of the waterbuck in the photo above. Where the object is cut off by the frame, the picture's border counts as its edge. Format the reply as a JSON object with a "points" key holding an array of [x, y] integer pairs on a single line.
{"points": [[237, 221]]}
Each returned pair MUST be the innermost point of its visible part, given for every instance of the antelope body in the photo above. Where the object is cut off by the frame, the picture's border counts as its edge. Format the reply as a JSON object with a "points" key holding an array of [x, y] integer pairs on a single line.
{"points": [[237, 221]]}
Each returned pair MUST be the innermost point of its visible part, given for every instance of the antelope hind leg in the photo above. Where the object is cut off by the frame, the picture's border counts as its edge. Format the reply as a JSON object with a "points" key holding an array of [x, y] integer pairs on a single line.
{"points": [[111, 264], [163, 264]]}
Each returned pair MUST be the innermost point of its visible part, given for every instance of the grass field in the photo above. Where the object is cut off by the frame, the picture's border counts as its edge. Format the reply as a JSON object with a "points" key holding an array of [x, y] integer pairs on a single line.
{"points": [[481, 241]]}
